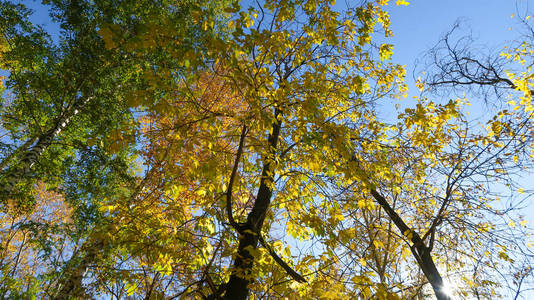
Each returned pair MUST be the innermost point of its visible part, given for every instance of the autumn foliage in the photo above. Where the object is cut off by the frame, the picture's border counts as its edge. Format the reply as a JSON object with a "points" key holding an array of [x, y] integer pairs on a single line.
{"points": [[204, 150]]}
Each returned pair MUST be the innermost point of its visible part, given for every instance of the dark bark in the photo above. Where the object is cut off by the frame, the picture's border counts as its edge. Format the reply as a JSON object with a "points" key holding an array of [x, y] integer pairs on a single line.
{"points": [[296, 276], [229, 191], [237, 286], [455, 63], [421, 252]]}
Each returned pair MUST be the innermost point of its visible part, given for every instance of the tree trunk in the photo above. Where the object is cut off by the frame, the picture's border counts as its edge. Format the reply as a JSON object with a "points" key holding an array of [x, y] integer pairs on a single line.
{"points": [[237, 286], [432, 274], [420, 251], [31, 156], [70, 284], [15, 153]]}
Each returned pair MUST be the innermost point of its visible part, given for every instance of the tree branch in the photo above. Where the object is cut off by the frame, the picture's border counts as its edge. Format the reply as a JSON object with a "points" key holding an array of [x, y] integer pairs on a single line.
{"points": [[231, 220], [296, 276]]}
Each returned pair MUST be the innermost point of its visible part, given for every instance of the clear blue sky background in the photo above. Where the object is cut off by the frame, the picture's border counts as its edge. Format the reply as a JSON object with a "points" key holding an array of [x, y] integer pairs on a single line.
{"points": [[418, 27]]}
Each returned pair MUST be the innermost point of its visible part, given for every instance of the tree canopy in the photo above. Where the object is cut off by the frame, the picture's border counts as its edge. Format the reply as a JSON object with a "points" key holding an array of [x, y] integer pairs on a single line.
{"points": [[222, 150]]}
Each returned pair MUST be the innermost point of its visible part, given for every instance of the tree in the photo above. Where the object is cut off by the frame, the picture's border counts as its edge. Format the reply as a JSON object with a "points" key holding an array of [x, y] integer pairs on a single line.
{"points": [[286, 80], [293, 83], [20, 265], [87, 69], [50, 86], [251, 162], [81, 77], [455, 65]]}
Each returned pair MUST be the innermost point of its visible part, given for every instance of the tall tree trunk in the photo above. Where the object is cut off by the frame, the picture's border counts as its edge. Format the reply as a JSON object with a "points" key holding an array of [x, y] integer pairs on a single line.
{"points": [[420, 251], [91, 253], [15, 153], [431, 273], [32, 155], [70, 284], [237, 286]]}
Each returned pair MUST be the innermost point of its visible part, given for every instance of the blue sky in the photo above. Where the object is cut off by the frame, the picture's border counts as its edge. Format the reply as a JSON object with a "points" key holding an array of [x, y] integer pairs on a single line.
{"points": [[418, 26]]}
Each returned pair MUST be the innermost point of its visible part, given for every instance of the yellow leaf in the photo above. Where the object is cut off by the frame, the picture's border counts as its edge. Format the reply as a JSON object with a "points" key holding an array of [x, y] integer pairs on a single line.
{"points": [[419, 84], [108, 208], [378, 244], [385, 51], [131, 288]]}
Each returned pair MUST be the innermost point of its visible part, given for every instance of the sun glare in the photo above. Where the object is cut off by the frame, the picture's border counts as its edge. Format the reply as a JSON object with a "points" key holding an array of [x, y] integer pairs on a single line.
{"points": [[448, 289]]}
